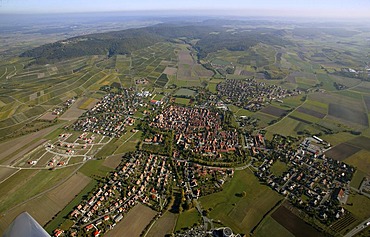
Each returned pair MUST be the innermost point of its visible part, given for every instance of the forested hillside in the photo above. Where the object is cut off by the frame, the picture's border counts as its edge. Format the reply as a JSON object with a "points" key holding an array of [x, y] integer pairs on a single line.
{"points": [[211, 38]]}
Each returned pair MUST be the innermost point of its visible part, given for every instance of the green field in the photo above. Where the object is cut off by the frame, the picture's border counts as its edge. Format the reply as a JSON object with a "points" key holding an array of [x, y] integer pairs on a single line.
{"points": [[357, 179], [284, 127], [182, 101], [357, 209], [271, 228], [278, 168], [241, 213], [95, 169], [187, 219], [361, 161]]}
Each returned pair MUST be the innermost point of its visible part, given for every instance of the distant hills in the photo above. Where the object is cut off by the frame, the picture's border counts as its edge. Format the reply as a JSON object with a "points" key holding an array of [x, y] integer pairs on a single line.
{"points": [[211, 36]]}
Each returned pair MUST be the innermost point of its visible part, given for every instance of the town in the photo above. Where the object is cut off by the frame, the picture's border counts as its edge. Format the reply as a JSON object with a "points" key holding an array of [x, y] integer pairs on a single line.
{"points": [[310, 180], [111, 115], [251, 94], [163, 177], [198, 130]]}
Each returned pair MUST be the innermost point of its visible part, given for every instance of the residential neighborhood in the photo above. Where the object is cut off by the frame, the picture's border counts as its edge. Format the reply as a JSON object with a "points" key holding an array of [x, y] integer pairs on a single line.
{"points": [[111, 115], [309, 180], [251, 94]]}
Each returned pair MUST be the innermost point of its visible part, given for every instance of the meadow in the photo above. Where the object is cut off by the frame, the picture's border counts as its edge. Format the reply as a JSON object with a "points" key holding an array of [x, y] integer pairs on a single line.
{"points": [[241, 213]]}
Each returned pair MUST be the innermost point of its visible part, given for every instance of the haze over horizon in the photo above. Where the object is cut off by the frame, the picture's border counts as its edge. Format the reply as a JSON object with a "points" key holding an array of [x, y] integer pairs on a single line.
{"points": [[283, 8]]}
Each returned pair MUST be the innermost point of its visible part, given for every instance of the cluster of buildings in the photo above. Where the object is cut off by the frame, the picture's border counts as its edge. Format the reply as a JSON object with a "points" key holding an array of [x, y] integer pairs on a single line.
{"points": [[111, 115], [312, 181], [198, 130], [66, 105], [141, 177], [251, 94]]}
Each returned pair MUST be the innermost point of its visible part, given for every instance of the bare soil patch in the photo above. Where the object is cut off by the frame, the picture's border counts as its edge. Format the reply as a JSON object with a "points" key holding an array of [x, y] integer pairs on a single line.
{"points": [[247, 73], [112, 161], [163, 225], [185, 57], [73, 112], [274, 111], [294, 224], [134, 222], [48, 116], [170, 71], [291, 79], [342, 151], [69, 189], [350, 115], [311, 112]]}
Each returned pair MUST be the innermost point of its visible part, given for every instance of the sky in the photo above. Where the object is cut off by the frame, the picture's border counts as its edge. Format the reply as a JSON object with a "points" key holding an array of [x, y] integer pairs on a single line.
{"points": [[295, 8]]}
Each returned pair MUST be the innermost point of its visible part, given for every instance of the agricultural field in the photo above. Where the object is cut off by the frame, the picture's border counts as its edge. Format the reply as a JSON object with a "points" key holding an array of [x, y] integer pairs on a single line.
{"points": [[112, 161], [134, 222], [293, 223], [27, 183], [342, 151], [333, 104], [348, 114], [241, 213], [185, 92], [360, 160], [274, 111], [358, 203], [164, 225], [270, 227], [44, 206], [284, 127], [5, 173]]}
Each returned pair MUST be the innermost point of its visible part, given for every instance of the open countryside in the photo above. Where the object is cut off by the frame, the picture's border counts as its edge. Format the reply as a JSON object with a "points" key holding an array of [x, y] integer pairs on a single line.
{"points": [[218, 127]]}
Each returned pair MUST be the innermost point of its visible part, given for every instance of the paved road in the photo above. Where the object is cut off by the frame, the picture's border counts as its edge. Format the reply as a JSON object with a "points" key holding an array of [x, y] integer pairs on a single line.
{"points": [[358, 228]]}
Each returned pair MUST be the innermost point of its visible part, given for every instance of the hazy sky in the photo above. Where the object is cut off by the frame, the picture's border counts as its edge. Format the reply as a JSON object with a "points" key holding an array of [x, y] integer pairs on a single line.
{"points": [[313, 8]]}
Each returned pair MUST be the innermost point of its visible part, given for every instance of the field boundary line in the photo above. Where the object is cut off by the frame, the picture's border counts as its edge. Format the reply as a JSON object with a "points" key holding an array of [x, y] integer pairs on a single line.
{"points": [[10, 176]]}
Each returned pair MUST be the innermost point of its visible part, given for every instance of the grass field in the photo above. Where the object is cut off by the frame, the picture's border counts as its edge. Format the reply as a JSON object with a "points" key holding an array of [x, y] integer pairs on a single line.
{"points": [[357, 179], [284, 127], [187, 219], [338, 138], [129, 145], [95, 169], [134, 222], [278, 168], [361, 161], [185, 92], [357, 209], [271, 228], [182, 101], [241, 213]]}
